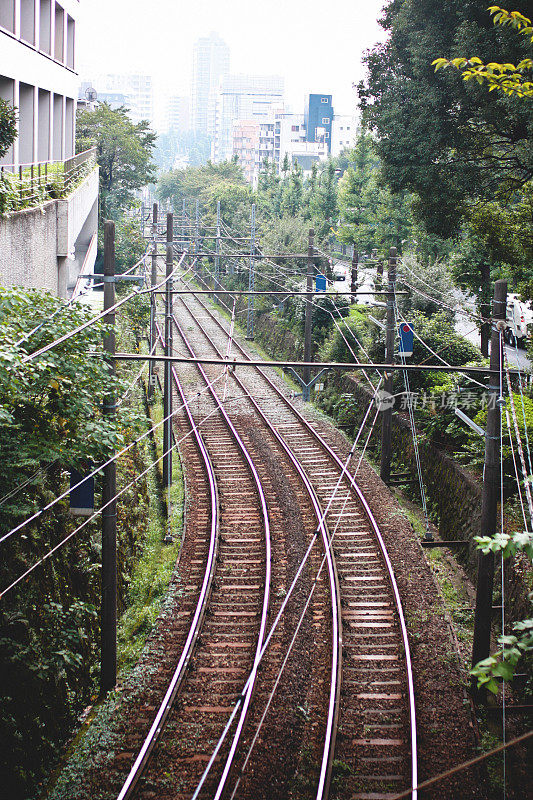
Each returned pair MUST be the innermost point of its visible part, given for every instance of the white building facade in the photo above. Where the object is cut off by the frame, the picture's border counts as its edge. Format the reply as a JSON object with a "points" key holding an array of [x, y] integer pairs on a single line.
{"points": [[343, 132], [37, 76], [135, 91], [45, 246], [243, 97]]}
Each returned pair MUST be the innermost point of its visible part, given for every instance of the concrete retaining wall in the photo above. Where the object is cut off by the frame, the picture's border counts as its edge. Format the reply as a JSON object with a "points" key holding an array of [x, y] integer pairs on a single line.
{"points": [[35, 243]]}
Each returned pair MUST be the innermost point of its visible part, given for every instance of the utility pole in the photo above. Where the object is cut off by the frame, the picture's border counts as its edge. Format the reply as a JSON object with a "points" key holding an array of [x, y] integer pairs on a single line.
{"points": [[217, 252], [251, 279], [108, 620], [308, 315], [167, 393], [153, 308], [386, 419], [491, 480], [355, 262]]}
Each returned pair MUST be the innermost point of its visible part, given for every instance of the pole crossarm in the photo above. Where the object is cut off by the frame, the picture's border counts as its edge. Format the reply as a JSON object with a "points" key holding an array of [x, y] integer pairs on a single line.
{"points": [[312, 364], [280, 292]]}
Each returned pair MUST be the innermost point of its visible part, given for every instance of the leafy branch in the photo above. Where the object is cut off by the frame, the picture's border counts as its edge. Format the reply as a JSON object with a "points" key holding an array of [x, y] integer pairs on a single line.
{"points": [[502, 665], [507, 78]]}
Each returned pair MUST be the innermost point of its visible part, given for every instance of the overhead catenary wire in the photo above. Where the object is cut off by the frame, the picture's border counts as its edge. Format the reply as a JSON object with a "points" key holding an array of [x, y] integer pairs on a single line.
{"points": [[527, 487], [66, 306], [42, 350], [94, 472], [90, 519]]}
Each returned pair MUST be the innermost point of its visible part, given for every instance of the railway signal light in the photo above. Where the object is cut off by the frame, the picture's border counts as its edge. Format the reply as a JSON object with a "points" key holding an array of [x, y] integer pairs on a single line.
{"points": [[406, 339]]}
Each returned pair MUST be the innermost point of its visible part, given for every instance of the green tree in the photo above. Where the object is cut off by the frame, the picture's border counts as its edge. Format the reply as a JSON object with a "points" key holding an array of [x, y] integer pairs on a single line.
{"points": [[292, 192], [123, 152], [199, 183], [323, 203], [8, 126], [450, 144]]}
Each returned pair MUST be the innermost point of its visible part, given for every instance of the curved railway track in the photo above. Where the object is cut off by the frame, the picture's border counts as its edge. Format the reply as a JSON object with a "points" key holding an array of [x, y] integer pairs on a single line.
{"points": [[183, 704], [377, 727], [218, 681]]}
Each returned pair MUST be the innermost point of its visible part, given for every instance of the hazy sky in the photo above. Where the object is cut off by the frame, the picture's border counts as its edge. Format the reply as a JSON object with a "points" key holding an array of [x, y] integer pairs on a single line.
{"points": [[316, 46]]}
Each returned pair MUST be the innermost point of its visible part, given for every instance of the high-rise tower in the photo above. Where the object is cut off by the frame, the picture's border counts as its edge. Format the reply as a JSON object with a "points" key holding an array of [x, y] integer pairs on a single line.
{"points": [[210, 62]]}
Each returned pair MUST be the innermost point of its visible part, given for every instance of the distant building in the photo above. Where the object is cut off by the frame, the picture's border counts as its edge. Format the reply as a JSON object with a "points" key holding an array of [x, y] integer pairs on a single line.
{"points": [[319, 119], [211, 61], [178, 114], [342, 133], [243, 97], [46, 245], [113, 99], [246, 146], [137, 91]]}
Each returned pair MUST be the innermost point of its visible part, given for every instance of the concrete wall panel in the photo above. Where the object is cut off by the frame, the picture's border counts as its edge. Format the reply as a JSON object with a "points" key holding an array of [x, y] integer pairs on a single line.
{"points": [[28, 248]]}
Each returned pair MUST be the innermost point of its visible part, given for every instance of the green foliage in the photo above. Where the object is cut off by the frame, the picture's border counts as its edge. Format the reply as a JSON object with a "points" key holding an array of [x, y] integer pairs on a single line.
{"points": [[517, 647], [435, 281], [8, 126], [123, 152], [23, 190], [450, 143], [473, 454], [51, 419], [50, 407], [509, 79], [371, 217], [130, 245], [200, 183]]}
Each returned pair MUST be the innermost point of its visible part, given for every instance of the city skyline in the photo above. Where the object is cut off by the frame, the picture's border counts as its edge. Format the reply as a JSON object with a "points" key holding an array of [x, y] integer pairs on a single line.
{"points": [[291, 41]]}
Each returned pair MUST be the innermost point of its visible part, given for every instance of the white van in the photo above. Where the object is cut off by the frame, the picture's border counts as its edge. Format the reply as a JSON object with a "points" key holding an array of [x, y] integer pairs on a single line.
{"points": [[518, 317]]}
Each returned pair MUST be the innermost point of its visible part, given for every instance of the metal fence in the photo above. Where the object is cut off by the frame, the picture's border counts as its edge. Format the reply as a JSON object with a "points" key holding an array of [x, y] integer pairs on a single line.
{"points": [[26, 185]]}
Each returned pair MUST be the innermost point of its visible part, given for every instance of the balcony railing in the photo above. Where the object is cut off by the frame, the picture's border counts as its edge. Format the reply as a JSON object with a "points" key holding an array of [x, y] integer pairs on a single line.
{"points": [[28, 185]]}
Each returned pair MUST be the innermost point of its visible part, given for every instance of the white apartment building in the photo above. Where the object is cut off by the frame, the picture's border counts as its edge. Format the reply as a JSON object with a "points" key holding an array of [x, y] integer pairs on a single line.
{"points": [[45, 246], [137, 91], [211, 61], [37, 76], [243, 97], [343, 131]]}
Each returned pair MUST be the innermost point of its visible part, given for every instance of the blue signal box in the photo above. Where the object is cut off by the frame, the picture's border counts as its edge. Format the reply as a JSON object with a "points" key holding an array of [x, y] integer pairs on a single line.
{"points": [[320, 283], [407, 337]]}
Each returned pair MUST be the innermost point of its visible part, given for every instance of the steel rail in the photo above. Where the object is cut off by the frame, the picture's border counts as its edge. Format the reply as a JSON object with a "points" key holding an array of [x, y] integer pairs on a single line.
{"points": [[336, 665], [382, 546], [198, 618], [268, 571]]}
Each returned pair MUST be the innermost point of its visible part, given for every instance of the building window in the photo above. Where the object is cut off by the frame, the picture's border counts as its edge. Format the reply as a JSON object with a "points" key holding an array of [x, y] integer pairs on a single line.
{"points": [[27, 20], [326, 135], [45, 27], [324, 100], [70, 42], [325, 120], [7, 15], [59, 33], [295, 127]]}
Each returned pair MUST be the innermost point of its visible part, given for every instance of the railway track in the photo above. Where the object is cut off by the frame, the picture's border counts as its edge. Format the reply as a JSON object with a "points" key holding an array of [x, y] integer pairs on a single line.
{"points": [[376, 743], [194, 709], [261, 453]]}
